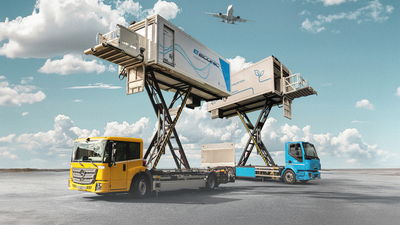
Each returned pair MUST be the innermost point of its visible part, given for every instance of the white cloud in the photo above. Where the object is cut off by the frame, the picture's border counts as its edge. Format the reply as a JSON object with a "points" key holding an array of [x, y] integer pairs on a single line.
{"points": [[343, 150], [398, 91], [335, 2], [334, 150], [60, 137], [358, 121], [168, 10], [96, 86], [57, 142], [125, 129], [374, 11], [57, 27], [7, 154], [129, 7], [78, 100], [238, 63], [26, 80], [24, 113], [16, 95], [7, 139], [364, 104], [111, 68], [71, 63]]}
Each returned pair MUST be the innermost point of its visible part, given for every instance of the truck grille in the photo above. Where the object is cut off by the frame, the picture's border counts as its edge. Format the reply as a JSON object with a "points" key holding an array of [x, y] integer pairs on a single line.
{"points": [[83, 175]]}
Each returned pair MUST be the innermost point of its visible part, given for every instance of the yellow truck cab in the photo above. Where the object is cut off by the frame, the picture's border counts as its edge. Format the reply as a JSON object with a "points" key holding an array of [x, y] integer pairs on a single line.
{"points": [[107, 164]]}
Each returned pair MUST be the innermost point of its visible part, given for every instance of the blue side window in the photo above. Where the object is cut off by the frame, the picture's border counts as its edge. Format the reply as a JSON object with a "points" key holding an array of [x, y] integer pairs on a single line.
{"points": [[295, 152]]}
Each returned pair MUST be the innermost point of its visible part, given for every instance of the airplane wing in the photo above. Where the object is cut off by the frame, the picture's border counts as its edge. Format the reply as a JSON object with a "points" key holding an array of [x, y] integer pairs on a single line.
{"points": [[218, 15], [238, 19]]}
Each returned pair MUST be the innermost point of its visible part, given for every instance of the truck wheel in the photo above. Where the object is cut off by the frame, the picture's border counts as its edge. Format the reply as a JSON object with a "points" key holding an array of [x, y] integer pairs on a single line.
{"points": [[140, 187], [211, 182], [289, 177]]}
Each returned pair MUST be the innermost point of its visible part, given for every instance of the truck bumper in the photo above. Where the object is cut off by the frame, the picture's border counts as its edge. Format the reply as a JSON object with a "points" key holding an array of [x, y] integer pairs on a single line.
{"points": [[308, 175], [96, 187]]}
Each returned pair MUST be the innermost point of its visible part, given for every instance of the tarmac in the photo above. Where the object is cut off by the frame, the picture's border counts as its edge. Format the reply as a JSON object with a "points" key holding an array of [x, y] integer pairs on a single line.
{"points": [[341, 197]]}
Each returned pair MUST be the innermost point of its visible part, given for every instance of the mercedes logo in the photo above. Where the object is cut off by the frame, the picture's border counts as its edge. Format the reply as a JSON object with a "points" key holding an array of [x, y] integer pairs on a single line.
{"points": [[82, 173]]}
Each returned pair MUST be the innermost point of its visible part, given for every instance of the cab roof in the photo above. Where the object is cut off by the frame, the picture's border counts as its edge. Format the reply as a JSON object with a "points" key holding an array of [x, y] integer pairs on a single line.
{"points": [[127, 139]]}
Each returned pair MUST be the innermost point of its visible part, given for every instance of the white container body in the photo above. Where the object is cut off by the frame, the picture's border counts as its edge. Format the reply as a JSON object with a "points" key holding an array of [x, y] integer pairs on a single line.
{"points": [[220, 154], [254, 81], [176, 53]]}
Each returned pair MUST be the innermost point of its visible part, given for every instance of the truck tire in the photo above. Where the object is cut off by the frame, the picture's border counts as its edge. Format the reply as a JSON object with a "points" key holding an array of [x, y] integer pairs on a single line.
{"points": [[140, 187], [211, 182], [289, 177]]}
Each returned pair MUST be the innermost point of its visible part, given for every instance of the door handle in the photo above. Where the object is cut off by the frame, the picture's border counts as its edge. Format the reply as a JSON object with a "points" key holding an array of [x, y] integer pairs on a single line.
{"points": [[124, 167], [290, 161]]}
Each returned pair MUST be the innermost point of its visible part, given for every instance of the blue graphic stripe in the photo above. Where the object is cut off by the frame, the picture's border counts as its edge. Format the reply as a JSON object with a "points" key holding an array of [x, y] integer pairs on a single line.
{"points": [[206, 69]]}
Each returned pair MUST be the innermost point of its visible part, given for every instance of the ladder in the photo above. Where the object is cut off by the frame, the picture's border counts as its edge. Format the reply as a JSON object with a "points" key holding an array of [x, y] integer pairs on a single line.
{"points": [[166, 131], [254, 132]]}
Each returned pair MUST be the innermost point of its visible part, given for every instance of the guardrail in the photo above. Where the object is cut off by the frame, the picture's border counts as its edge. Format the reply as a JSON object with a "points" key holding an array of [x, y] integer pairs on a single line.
{"points": [[295, 82]]}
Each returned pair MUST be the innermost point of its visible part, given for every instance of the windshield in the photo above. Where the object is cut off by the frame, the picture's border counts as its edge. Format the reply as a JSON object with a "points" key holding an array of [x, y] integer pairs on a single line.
{"points": [[89, 150], [310, 151]]}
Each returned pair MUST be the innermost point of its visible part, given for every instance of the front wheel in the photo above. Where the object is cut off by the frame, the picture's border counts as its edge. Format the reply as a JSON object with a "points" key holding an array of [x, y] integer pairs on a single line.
{"points": [[140, 187], [289, 177]]}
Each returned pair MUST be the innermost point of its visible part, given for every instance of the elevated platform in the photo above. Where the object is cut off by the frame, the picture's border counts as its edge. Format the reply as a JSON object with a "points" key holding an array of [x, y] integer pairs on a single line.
{"points": [[267, 80], [176, 59]]}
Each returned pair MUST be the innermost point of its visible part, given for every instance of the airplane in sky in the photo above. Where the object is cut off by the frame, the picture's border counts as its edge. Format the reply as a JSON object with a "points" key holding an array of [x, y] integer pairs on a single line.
{"points": [[228, 17]]}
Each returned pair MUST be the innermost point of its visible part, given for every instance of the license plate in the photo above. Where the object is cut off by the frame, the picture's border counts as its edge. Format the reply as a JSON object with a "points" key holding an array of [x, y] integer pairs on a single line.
{"points": [[82, 187]]}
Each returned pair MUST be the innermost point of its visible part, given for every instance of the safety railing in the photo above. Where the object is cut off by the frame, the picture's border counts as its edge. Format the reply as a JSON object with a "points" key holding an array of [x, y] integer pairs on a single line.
{"points": [[103, 38], [295, 82]]}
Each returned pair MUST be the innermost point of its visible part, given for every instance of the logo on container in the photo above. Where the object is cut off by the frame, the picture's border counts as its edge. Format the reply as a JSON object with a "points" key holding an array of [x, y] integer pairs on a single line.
{"points": [[208, 59]]}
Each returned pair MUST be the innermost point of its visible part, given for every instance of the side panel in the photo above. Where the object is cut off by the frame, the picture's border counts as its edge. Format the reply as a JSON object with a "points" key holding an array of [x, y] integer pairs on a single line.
{"points": [[246, 172], [193, 60], [253, 81], [214, 155]]}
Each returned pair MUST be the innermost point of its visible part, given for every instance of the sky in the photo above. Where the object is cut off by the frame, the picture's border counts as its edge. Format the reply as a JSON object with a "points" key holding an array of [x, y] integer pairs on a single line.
{"points": [[348, 50]]}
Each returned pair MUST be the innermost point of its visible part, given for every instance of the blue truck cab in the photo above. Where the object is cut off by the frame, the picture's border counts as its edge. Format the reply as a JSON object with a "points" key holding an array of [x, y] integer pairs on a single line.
{"points": [[302, 165]]}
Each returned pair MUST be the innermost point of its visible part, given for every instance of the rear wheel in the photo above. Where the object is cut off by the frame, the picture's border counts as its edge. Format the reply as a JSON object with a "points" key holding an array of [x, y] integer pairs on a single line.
{"points": [[211, 182], [289, 177], [140, 187]]}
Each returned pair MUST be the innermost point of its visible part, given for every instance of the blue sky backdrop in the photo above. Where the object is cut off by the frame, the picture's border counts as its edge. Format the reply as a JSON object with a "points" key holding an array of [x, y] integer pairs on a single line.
{"points": [[348, 50]]}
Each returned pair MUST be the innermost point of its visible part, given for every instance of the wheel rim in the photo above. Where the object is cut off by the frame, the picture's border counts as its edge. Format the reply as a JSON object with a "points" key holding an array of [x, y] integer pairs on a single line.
{"points": [[142, 187], [289, 177]]}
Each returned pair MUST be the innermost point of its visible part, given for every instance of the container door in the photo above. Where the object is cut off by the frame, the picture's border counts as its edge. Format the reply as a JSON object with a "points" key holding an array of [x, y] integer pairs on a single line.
{"points": [[169, 48], [287, 108]]}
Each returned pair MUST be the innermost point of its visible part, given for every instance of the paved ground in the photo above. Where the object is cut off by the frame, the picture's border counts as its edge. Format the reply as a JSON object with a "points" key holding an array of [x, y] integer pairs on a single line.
{"points": [[341, 197]]}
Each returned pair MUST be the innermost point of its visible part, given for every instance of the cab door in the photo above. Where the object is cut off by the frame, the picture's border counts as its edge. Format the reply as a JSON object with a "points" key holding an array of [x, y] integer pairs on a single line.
{"points": [[295, 156], [119, 170]]}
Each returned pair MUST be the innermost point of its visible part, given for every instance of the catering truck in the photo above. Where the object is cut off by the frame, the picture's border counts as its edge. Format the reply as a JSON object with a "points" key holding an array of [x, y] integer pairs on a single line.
{"points": [[115, 164], [154, 56], [302, 165], [260, 87]]}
